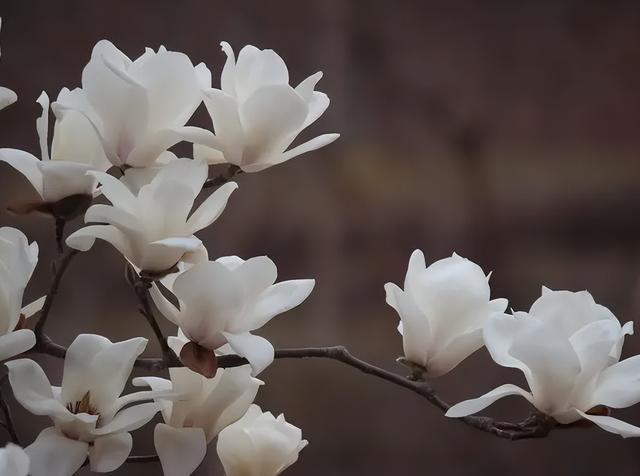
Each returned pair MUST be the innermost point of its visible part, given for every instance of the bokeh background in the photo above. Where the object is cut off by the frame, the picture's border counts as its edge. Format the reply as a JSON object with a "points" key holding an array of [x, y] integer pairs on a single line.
{"points": [[507, 131]]}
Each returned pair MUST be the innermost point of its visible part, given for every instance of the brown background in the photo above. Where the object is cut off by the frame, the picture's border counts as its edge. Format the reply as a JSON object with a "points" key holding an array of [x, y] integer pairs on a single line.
{"points": [[505, 131]]}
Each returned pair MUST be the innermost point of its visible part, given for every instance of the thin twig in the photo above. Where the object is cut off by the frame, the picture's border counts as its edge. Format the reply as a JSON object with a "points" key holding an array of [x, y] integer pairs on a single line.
{"points": [[59, 268], [231, 171], [60, 224], [141, 287]]}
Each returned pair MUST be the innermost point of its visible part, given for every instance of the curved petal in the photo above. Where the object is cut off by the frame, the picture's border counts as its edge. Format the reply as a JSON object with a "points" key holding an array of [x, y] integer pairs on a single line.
{"points": [[223, 109], [84, 238], [52, 454], [7, 97], [112, 216], [414, 325], [618, 386], [16, 342], [257, 350], [469, 407], [110, 452], [311, 145], [279, 298], [129, 419], [181, 450], [27, 165], [211, 208], [13, 461], [33, 391], [166, 307], [30, 309], [458, 349], [613, 425], [42, 125]]}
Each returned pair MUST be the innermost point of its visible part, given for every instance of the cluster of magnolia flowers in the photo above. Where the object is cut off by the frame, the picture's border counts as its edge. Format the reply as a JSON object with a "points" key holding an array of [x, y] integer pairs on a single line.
{"points": [[121, 122], [111, 138]]}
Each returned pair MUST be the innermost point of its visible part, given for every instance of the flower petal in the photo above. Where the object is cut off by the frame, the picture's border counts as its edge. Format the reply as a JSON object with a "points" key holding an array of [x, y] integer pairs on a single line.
{"points": [[53, 454], [309, 146], [16, 342], [469, 407], [129, 419], [211, 208], [110, 452], [613, 425], [26, 164], [181, 450], [257, 350], [32, 389]]}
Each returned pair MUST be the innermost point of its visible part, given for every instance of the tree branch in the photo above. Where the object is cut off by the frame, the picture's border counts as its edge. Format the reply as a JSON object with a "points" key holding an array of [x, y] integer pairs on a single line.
{"points": [[59, 267], [141, 287], [535, 426]]}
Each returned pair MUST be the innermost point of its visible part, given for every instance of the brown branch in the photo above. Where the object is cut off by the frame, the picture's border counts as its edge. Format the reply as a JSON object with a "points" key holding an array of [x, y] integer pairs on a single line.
{"points": [[535, 426], [141, 287], [143, 459], [59, 267], [222, 178]]}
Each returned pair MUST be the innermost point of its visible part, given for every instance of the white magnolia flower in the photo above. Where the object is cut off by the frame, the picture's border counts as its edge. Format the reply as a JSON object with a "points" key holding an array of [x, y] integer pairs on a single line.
{"points": [[223, 301], [205, 406], [13, 461], [442, 311], [259, 445], [89, 415], [75, 150], [7, 96], [18, 259], [153, 228], [257, 115], [568, 348], [139, 108]]}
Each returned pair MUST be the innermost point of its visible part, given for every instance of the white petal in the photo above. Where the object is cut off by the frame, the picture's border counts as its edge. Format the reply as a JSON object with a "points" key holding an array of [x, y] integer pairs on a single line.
{"points": [[129, 419], [13, 461], [257, 350], [52, 454], [279, 298], [16, 342], [30, 309], [469, 407], [211, 208], [618, 386], [311, 145], [84, 238], [26, 164], [109, 452], [42, 125], [223, 110], [181, 450], [613, 425], [166, 307], [32, 389], [7, 97]]}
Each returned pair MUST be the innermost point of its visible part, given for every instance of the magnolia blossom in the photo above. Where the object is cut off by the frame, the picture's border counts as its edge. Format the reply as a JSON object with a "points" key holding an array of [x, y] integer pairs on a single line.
{"points": [[87, 410], [75, 150], [259, 445], [13, 461], [139, 108], [203, 409], [153, 228], [223, 301], [568, 347], [257, 115], [442, 311], [7, 96], [18, 259]]}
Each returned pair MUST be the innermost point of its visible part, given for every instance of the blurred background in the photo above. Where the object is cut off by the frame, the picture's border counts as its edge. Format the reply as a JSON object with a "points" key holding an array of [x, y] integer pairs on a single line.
{"points": [[506, 131]]}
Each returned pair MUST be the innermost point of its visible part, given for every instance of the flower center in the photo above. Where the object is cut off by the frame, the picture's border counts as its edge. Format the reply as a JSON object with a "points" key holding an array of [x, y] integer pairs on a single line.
{"points": [[83, 406]]}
